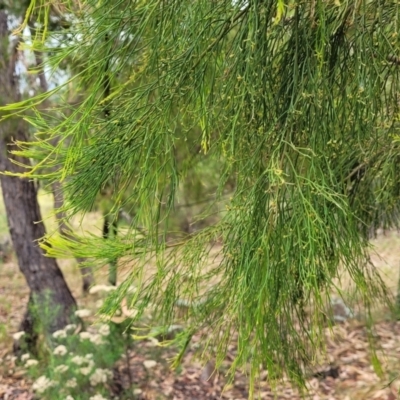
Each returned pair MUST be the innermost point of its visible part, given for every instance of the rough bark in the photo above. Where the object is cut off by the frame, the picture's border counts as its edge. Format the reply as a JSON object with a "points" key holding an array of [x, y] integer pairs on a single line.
{"points": [[42, 273], [53, 299]]}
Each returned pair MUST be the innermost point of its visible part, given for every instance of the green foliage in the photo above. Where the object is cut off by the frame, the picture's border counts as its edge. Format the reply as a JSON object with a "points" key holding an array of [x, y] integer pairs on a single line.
{"points": [[77, 364], [288, 107]]}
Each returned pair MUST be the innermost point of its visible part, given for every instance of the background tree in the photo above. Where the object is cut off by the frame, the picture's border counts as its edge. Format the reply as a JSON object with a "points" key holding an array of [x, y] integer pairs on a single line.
{"points": [[43, 275], [295, 106]]}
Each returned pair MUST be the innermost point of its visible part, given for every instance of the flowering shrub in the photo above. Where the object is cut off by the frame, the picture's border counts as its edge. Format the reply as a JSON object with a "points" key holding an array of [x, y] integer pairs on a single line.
{"points": [[79, 366]]}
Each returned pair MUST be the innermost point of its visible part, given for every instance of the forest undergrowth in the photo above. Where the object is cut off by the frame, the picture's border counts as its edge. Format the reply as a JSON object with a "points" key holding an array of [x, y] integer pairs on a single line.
{"points": [[101, 362]]}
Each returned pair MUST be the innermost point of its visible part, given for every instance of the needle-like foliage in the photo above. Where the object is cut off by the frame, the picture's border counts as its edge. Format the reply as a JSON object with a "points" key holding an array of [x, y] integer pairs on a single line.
{"points": [[291, 105]]}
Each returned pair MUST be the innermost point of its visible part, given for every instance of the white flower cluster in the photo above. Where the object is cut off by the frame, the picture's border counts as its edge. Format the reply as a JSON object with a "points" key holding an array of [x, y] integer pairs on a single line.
{"points": [[70, 327], [79, 360], [42, 384], [71, 383], [31, 363], [60, 350], [95, 338], [97, 397], [86, 370], [83, 313], [86, 363], [85, 335], [60, 334], [100, 376], [61, 368], [104, 329]]}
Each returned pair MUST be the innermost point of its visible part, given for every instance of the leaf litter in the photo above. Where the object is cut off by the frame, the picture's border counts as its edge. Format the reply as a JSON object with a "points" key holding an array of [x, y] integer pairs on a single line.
{"points": [[345, 374]]}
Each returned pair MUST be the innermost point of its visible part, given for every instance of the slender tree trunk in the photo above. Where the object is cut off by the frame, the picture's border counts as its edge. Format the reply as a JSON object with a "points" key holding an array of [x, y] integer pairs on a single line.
{"points": [[49, 291], [110, 229], [87, 272], [42, 273], [56, 188]]}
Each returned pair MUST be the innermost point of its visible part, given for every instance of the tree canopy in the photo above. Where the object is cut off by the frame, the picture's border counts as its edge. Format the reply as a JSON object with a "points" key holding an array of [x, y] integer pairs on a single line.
{"points": [[290, 108]]}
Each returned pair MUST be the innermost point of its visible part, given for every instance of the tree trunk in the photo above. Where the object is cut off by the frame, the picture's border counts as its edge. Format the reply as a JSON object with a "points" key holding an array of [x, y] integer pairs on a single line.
{"points": [[87, 272], [49, 291], [110, 229], [56, 187], [42, 273]]}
